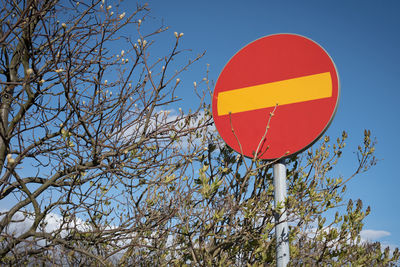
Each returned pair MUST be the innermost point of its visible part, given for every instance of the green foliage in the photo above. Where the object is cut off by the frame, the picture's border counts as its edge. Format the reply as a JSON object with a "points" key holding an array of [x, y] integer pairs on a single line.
{"points": [[233, 224]]}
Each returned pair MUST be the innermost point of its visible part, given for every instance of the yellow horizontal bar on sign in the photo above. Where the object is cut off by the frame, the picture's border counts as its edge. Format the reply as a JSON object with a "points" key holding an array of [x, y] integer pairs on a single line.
{"points": [[284, 92]]}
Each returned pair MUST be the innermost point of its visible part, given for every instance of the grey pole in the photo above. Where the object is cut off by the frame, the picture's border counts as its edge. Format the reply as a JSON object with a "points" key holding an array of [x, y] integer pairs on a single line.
{"points": [[281, 228]]}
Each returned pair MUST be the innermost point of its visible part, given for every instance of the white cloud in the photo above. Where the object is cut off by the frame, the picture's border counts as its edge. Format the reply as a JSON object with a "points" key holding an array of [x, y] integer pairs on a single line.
{"points": [[21, 222], [169, 123], [371, 235], [391, 246]]}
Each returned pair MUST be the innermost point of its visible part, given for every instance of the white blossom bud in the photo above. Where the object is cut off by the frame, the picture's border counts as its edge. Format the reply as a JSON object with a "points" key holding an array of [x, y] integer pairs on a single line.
{"points": [[59, 70], [181, 34], [29, 72], [176, 34], [237, 157], [10, 159], [139, 22], [42, 81], [144, 42], [64, 25], [112, 13], [121, 16], [178, 80], [109, 7], [126, 60], [105, 82], [195, 84], [122, 53]]}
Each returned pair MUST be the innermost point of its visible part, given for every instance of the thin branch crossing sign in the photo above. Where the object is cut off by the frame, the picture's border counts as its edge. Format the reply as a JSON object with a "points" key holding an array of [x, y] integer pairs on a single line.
{"points": [[276, 96]]}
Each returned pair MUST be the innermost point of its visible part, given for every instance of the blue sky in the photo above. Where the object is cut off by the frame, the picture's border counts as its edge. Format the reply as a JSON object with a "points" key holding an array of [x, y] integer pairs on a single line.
{"points": [[362, 37]]}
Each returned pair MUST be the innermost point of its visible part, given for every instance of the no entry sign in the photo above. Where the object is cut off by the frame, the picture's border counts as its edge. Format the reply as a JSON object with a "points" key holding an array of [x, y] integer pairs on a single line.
{"points": [[287, 74]]}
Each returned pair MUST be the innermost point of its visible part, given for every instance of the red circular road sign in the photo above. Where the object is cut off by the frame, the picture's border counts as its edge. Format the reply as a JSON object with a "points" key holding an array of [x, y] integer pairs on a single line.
{"points": [[287, 75]]}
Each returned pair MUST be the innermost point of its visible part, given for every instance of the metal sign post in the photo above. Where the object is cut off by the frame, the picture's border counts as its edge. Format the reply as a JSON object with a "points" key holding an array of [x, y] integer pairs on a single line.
{"points": [[281, 227]]}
